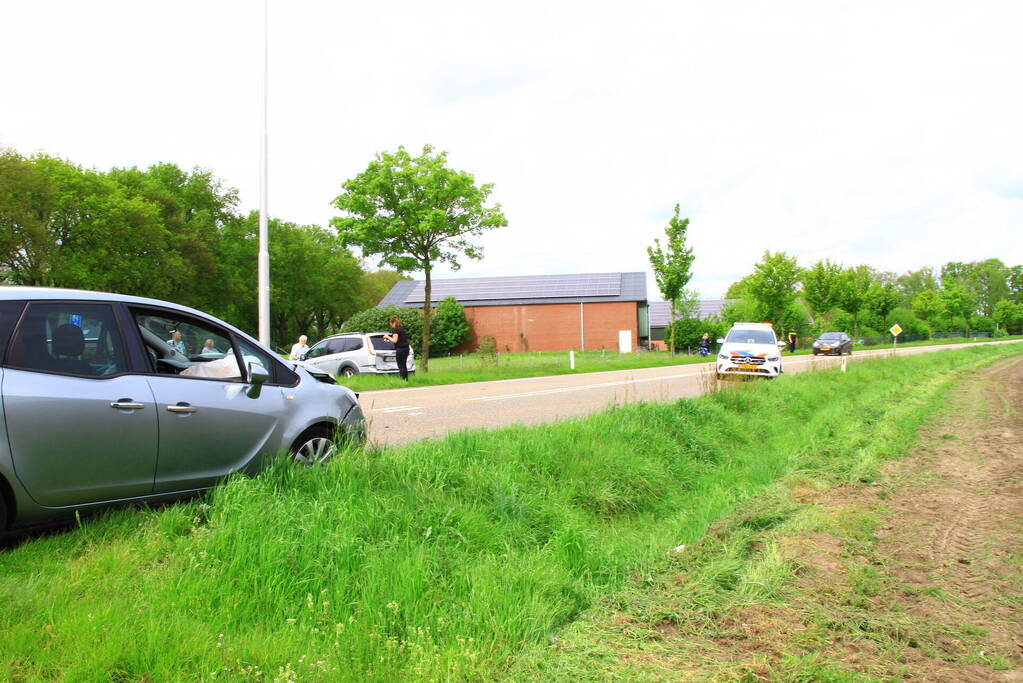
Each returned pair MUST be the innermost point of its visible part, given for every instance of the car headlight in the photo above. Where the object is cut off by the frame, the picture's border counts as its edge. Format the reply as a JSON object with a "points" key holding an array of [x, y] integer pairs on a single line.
{"points": [[722, 356], [773, 359]]}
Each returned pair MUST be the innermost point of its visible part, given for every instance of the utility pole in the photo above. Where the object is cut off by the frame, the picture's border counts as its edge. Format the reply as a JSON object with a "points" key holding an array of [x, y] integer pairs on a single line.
{"points": [[263, 260]]}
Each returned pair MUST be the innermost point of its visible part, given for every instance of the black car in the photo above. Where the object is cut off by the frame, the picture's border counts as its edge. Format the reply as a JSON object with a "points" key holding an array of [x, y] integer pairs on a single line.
{"points": [[833, 343]]}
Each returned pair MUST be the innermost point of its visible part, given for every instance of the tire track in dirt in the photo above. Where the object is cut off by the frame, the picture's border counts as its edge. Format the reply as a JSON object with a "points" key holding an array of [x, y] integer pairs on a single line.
{"points": [[970, 505]]}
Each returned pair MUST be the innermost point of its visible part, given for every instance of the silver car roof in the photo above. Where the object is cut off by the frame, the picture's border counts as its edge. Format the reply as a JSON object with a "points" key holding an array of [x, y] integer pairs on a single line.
{"points": [[10, 293]]}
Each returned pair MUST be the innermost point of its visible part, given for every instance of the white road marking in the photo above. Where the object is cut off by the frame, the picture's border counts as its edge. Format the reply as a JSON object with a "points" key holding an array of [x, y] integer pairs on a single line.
{"points": [[398, 409], [562, 390]]}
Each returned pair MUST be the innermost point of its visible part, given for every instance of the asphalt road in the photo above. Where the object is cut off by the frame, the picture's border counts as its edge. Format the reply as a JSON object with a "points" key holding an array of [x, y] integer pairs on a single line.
{"points": [[402, 415]]}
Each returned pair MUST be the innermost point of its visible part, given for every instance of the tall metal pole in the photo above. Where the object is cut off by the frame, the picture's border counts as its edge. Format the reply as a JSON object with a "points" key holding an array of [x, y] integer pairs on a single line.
{"points": [[263, 262]]}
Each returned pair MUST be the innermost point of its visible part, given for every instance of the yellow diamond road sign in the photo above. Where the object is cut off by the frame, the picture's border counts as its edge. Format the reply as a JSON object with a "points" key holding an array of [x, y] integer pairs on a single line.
{"points": [[895, 330]]}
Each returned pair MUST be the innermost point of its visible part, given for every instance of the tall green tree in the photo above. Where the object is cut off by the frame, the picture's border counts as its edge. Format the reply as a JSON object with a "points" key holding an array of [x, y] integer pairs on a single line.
{"points": [[416, 213], [856, 282], [954, 272], [773, 286], [64, 226], [960, 301], [672, 264], [882, 299], [928, 306], [314, 284], [990, 282], [822, 288], [194, 207], [913, 282], [1015, 280], [1009, 316]]}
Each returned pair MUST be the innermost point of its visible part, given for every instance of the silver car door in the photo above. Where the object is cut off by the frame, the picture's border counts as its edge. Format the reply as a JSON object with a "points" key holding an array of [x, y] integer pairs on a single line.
{"points": [[209, 427], [81, 428]]}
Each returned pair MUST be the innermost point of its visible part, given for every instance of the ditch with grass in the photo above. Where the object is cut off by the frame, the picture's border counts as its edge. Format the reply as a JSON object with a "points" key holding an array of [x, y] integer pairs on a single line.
{"points": [[445, 559]]}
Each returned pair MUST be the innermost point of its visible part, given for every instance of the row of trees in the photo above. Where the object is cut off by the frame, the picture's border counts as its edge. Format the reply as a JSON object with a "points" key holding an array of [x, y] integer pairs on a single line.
{"points": [[168, 233], [981, 296]]}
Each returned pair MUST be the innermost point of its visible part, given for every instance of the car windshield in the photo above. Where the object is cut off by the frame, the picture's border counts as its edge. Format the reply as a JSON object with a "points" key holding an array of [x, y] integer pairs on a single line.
{"points": [[831, 335], [750, 337]]}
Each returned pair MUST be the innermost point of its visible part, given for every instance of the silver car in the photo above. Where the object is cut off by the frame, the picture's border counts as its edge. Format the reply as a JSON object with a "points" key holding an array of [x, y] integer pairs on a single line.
{"points": [[356, 353], [110, 399]]}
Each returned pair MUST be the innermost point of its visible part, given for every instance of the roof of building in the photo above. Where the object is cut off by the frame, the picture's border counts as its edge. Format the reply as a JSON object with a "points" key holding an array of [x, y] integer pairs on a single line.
{"points": [[517, 290], [660, 311]]}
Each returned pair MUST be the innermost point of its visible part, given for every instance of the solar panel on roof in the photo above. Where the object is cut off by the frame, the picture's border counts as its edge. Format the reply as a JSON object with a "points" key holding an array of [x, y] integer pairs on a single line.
{"points": [[529, 287]]}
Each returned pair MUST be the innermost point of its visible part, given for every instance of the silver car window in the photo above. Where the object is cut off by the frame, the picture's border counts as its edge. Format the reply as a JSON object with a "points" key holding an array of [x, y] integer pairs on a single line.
{"points": [[71, 338], [187, 347]]}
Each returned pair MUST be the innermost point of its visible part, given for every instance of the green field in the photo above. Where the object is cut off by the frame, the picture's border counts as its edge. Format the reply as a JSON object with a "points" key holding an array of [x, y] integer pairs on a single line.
{"points": [[470, 368], [441, 560]]}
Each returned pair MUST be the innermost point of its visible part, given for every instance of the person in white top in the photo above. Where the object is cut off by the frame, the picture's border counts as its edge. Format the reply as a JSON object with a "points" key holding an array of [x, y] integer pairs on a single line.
{"points": [[299, 349]]}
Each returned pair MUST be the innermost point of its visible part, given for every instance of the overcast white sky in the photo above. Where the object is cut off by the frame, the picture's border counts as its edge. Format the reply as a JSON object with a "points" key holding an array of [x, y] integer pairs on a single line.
{"points": [[886, 133]]}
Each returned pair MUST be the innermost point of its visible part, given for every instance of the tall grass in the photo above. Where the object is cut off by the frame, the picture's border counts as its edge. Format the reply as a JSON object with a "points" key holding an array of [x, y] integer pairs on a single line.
{"points": [[440, 559]]}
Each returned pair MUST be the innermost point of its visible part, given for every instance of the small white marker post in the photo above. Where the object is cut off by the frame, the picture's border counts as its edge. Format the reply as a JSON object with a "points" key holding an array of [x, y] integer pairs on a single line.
{"points": [[896, 331], [571, 359]]}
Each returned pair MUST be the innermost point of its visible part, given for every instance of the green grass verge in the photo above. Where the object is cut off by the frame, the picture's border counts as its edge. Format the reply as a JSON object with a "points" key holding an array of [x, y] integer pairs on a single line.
{"points": [[441, 559], [469, 367]]}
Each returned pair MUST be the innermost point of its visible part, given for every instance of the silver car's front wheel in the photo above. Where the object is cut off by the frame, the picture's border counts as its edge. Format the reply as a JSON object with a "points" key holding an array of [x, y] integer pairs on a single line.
{"points": [[314, 446]]}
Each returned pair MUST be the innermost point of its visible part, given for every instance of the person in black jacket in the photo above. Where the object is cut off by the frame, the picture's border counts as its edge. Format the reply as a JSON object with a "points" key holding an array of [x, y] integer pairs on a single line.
{"points": [[399, 337], [792, 340]]}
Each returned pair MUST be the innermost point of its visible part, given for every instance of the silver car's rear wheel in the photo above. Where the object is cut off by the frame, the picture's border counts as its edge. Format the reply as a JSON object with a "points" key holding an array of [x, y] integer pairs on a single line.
{"points": [[347, 371], [315, 446]]}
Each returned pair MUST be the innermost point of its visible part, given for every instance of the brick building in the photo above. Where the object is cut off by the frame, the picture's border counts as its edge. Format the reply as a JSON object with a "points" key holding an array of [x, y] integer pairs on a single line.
{"points": [[542, 312]]}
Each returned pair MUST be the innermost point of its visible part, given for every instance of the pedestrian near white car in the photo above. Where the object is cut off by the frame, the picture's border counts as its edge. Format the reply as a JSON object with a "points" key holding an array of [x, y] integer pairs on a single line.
{"points": [[300, 349], [750, 349], [357, 353]]}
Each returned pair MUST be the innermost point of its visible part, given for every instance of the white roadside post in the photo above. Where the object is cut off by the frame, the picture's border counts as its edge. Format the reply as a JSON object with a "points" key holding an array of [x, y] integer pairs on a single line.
{"points": [[896, 331], [571, 359]]}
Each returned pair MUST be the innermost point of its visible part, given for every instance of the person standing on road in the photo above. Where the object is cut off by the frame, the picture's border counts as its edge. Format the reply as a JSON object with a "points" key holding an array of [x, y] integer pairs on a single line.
{"points": [[399, 337], [299, 349], [792, 340]]}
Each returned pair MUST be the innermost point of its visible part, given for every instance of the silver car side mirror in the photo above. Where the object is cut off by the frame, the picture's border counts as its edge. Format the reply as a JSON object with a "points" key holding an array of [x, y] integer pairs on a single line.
{"points": [[782, 345], [257, 376]]}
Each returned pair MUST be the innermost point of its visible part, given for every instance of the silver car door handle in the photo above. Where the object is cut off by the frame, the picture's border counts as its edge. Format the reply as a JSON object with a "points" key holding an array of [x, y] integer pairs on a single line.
{"points": [[182, 409], [126, 405]]}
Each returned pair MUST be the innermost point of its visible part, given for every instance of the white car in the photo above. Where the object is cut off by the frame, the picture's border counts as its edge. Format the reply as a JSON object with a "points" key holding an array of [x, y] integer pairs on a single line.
{"points": [[356, 353], [750, 349]]}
